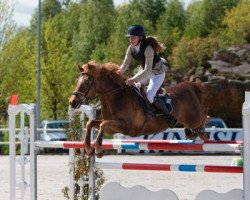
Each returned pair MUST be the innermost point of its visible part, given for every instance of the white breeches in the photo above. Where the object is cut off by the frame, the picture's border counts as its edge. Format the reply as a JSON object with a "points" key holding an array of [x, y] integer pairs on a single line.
{"points": [[154, 83]]}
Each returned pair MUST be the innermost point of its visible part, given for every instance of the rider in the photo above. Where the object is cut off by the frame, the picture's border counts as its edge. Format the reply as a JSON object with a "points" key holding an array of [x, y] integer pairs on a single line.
{"points": [[152, 67]]}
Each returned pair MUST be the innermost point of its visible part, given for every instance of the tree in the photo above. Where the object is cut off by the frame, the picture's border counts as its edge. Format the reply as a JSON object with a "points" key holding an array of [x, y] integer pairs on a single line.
{"points": [[214, 12], [191, 54], [92, 32], [7, 24], [237, 23], [127, 15], [56, 71], [17, 61], [49, 9], [150, 9], [171, 24], [194, 21], [205, 16], [70, 22]]}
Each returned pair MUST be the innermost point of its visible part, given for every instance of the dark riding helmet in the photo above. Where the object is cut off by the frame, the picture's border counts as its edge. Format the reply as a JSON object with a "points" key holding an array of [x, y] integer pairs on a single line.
{"points": [[135, 30]]}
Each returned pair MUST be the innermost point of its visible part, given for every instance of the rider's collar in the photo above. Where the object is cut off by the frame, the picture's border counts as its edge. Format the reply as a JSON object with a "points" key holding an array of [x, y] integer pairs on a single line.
{"points": [[137, 47]]}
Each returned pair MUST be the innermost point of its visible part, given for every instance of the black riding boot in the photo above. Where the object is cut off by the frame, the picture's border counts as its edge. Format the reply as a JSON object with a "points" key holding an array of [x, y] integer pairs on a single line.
{"points": [[160, 105]]}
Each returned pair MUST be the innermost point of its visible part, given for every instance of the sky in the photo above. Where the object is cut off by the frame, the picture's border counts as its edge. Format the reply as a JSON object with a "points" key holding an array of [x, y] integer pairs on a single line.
{"points": [[25, 8], [23, 11]]}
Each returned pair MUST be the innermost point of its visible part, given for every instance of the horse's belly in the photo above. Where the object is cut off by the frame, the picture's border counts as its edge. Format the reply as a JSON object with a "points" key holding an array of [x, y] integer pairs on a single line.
{"points": [[154, 125]]}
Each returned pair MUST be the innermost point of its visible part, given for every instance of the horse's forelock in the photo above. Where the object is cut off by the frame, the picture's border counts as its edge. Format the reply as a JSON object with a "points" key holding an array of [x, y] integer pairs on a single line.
{"points": [[91, 68]]}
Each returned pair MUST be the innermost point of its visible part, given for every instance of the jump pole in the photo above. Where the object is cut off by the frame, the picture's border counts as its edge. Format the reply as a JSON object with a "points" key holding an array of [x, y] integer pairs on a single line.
{"points": [[142, 145], [169, 167], [145, 166], [246, 148]]}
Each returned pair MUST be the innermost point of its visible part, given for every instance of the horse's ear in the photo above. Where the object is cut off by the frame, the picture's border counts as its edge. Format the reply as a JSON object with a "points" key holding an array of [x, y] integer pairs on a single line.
{"points": [[93, 68], [80, 68]]}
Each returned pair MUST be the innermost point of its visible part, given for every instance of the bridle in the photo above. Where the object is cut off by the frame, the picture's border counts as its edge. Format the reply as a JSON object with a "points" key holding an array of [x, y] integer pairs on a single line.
{"points": [[83, 96]]}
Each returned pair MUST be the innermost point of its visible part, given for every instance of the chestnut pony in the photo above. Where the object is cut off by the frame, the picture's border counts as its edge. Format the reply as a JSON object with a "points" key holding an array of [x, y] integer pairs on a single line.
{"points": [[122, 112]]}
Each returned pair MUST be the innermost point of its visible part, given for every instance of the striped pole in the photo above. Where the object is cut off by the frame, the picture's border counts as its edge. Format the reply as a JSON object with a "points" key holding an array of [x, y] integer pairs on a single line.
{"points": [[173, 145], [177, 141], [169, 167]]}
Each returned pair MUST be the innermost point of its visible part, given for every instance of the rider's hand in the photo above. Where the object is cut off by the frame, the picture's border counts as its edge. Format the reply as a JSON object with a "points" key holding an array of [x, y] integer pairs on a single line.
{"points": [[119, 72], [130, 82]]}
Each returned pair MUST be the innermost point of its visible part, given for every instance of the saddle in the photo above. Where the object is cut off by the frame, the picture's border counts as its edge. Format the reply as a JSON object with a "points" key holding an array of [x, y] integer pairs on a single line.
{"points": [[148, 108]]}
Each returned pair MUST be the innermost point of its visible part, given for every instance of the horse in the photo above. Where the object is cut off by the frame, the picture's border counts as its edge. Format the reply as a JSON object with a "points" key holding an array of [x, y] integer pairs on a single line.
{"points": [[123, 113]]}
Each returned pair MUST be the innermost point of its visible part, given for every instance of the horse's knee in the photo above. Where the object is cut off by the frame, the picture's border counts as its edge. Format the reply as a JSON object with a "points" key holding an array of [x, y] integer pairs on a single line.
{"points": [[104, 125], [88, 124]]}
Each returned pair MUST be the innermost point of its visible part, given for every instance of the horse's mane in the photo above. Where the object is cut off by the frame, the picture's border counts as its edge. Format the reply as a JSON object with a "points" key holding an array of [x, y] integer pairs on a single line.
{"points": [[109, 69]]}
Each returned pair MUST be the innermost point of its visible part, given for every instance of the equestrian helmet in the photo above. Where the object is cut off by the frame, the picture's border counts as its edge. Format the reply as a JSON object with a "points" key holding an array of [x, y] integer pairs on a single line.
{"points": [[135, 30]]}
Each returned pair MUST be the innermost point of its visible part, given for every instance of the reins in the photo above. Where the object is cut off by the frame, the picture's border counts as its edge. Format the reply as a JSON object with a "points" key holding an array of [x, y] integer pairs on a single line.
{"points": [[83, 96], [110, 92]]}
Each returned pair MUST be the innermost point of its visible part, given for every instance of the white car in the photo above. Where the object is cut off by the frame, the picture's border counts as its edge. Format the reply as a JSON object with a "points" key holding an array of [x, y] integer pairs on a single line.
{"points": [[215, 122], [53, 130]]}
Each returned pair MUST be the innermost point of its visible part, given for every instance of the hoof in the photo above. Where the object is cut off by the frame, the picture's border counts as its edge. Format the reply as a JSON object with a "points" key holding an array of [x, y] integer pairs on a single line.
{"points": [[99, 154], [90, 151], [190, 135], [203, 136]]}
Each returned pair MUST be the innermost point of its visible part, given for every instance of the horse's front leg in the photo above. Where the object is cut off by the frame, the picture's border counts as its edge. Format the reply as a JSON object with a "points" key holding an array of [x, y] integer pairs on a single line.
{"points": [[110, 127], [90, 124]]}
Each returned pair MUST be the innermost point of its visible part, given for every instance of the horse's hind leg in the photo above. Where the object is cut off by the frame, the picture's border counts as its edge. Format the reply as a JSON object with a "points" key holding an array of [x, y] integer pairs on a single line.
{"points": [[201, 131], [202, 134], [90, 124], [190, 134]]}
